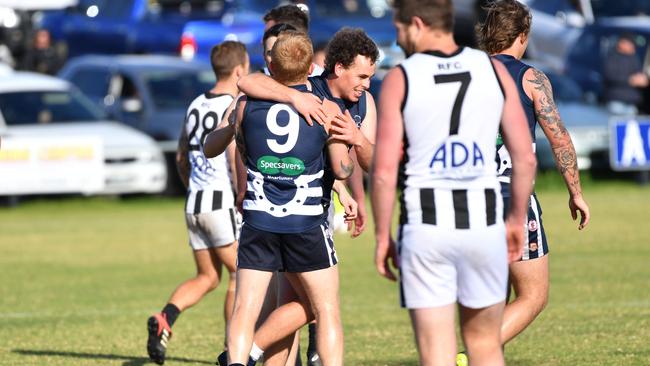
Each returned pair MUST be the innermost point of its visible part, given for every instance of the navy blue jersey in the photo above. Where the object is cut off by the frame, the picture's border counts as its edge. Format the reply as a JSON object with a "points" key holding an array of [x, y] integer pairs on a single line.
{"points": [[516, 69], [357, 111], [285, 161]]}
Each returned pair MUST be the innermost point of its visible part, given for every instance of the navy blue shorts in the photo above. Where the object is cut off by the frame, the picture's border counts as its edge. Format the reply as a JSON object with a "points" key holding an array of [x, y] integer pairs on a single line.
{"points": [[536, 245], [308, 251]]}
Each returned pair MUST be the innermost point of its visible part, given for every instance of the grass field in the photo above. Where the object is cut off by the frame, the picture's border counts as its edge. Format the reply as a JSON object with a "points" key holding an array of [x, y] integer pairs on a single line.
{"points": [[79, 277]]}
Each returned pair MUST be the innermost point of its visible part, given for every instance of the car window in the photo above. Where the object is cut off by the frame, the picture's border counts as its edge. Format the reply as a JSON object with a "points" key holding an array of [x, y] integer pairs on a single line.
{"points": [[553, 6], [172, 90], [43, 107], [362, 8], [106, 8], [92, 82], [619, 8]]}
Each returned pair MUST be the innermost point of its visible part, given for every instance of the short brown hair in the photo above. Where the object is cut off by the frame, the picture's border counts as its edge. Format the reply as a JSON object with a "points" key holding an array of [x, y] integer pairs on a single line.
{"points": [[437, 14], [226, 56], [505, 20], [346, 45], [291, 57], [288, 14]]}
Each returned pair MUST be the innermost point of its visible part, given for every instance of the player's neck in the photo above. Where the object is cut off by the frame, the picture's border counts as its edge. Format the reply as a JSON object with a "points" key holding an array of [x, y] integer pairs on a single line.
{"points": [[331, 83], [513, 51], [437, 41], [227, 86]]}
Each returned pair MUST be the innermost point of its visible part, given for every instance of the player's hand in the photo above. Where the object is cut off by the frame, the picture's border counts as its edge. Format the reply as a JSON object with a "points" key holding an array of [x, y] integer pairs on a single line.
{"points": [[385, 253], [514, 238], [350, 206], [578, 204], [344, 129], [310, 107], [360, 221]]}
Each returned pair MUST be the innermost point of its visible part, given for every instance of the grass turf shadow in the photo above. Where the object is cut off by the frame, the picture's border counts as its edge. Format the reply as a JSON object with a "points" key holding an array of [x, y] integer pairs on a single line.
{"points": [[128, 360]]}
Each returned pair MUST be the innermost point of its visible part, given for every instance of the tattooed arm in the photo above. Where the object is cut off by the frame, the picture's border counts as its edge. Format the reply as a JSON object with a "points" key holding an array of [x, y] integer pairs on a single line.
{"points": [[537, 85], [183, 158]]}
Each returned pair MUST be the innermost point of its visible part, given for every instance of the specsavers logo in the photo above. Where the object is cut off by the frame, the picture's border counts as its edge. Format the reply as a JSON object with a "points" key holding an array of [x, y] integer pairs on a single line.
{"points": [[274, 165]]}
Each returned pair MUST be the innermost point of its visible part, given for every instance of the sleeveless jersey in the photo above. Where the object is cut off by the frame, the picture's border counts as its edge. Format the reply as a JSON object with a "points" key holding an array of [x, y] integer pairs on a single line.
{"points": [[285, 162], [210, 187], [357, 111], [517, 69], [452, 111]]}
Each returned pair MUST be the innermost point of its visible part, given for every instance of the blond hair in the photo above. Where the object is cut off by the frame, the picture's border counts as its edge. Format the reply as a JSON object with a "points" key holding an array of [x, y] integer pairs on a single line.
{"points": [[291, 57]]}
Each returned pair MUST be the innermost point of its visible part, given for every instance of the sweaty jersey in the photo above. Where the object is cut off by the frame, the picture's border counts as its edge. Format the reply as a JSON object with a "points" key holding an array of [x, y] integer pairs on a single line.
{"points": [[210, 187], [516, 69], [452, 111], [285, 164]]}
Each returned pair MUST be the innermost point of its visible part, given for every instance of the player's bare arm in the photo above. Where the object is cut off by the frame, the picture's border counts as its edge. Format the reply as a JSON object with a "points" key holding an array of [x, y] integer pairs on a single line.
{"points": [[362, 139], [386, 160], [355, 182], [239, 134], [518, 141], [349, 204], [341, 163], [537, 84], [261, 86], [182, 158], [218, 140]]}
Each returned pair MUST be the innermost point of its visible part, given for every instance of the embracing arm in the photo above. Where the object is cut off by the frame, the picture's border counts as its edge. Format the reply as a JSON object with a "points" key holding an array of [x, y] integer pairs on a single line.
{"points": [[218, 140], [261, 86], [388, 151], [558, 137], [341, 163], [362, 139]]}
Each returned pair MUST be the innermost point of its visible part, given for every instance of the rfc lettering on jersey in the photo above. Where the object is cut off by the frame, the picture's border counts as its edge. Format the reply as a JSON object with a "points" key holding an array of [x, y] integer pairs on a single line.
{"points": [[457, 157]]}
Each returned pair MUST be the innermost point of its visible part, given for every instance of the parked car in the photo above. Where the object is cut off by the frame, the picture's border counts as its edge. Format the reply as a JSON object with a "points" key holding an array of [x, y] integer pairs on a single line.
{"points": [[126, 26], [585, 62], [37, 107], [243, 21], [149, 93], [588, 125]]}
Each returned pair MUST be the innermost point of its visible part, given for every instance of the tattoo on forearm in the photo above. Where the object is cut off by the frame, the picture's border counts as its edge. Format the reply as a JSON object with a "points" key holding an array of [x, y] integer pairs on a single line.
{"points": [[347, 168], [567, 163], [546, 110], [241, 143], [182, 158]]}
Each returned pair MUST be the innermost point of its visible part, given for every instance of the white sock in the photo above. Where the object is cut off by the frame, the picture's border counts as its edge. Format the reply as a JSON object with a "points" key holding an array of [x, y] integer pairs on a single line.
{"points": [[256, 352]]}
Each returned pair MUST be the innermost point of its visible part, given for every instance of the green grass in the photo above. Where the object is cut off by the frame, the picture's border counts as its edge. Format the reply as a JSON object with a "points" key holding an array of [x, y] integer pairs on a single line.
{"points": [[78, 278]]}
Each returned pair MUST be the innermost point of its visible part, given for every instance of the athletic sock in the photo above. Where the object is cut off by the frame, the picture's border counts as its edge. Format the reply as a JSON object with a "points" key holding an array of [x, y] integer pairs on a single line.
{"points": [[236, 364], [256, 352], [171, 313], [311, 347]]}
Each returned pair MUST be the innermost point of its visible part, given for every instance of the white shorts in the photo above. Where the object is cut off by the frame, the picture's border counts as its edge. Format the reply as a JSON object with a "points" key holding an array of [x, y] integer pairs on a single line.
{"points": [[213, 229], [441, 266]]}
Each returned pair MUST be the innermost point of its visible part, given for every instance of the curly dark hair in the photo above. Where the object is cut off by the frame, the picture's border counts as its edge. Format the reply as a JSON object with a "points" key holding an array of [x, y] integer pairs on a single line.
{"points": [[288, 14], [504, 22], [346, 45]]}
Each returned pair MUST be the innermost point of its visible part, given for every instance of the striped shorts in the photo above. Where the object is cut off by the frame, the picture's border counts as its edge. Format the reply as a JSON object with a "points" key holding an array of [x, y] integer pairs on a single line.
{"points": [[536, 245]]}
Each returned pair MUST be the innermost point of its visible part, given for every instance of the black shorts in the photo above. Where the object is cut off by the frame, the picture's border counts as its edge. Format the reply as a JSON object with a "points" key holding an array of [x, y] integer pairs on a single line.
{"points": [[308, 251]]}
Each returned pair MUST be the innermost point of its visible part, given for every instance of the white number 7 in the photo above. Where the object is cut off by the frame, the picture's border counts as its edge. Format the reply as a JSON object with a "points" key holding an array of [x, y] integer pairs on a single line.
{"points": [[291, 129]]}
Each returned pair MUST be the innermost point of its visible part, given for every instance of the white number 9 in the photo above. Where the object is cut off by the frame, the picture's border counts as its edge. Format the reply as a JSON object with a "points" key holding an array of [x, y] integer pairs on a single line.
{"points": [[291, 129]]}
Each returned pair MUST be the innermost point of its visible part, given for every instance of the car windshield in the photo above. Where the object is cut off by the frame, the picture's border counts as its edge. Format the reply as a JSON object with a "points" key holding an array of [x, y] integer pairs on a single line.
{"points": [[620, 8], [43, 107], [337, 8], [176, 89]]}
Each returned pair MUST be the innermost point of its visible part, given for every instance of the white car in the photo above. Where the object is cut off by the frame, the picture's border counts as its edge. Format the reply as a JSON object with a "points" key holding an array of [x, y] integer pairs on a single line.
{"points": [[54, 140]]}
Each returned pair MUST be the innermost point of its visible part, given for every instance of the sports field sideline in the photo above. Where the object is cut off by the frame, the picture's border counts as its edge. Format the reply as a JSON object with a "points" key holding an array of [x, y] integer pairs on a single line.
{"points": [[79, 277]]}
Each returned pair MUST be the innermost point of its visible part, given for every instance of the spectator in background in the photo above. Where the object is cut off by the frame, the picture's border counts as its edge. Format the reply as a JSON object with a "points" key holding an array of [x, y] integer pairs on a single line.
{"points": [[624, 78], [44, 57], [319, 54]]}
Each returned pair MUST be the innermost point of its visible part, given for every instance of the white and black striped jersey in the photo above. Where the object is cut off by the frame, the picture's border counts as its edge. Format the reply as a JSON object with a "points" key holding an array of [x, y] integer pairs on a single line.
{"points": [[452, 111], [210, 186]]}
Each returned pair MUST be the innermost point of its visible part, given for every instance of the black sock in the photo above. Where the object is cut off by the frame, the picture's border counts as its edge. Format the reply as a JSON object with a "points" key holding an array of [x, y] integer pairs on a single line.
{"points": [[311, 347], [236, 364], [171, 313]]}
